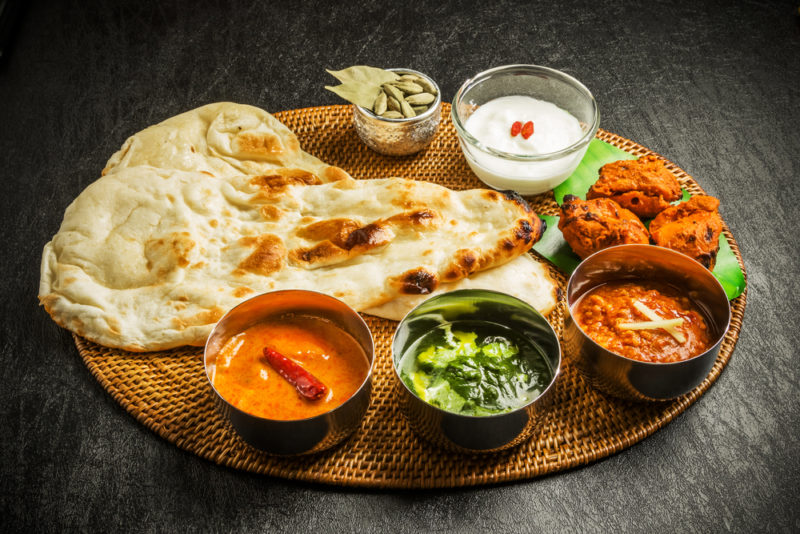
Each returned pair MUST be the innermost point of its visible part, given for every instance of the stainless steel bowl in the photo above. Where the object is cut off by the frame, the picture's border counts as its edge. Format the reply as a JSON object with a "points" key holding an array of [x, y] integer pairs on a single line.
{"points": [[633, 379], [467, 433], [302, 435], [399, 137]]}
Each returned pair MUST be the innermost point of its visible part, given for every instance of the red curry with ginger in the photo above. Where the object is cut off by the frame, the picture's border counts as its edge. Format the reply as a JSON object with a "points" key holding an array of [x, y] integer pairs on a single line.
{"points": [[245, 378], [605, 311]]}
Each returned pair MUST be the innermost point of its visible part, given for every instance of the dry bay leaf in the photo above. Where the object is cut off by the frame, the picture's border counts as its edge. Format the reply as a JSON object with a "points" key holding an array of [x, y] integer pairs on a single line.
{"points": [[361, 84], [364, 74], [357, 93]]}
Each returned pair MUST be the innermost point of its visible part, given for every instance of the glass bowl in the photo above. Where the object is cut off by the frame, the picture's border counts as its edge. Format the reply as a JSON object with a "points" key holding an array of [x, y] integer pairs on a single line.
{"points": [[524, 173]]}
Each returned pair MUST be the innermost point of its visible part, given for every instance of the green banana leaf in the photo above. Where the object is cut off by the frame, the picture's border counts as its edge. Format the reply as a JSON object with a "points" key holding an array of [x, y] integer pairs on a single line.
{"points": [[584, 177], [553, 247]]}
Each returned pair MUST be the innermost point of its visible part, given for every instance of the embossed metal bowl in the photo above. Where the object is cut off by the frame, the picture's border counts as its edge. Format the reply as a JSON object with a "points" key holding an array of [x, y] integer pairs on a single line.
{"points": [[297, 436], [632, 379], [467, 433], [399, 137]]}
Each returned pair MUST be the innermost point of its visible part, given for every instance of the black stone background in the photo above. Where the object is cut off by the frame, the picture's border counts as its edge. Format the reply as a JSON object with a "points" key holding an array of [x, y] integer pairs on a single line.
{"points": [[713, 86]]}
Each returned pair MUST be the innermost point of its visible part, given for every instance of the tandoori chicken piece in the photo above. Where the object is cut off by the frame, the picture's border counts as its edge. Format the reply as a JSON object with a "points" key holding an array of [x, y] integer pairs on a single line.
{"points": [[591, 225], [691, 227], [644, 186]]}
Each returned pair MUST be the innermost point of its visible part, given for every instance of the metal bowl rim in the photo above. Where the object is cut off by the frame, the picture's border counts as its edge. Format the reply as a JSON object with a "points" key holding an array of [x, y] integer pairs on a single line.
{"points": [[323, 415], [661, 250], [556, 371], [428, 113]]}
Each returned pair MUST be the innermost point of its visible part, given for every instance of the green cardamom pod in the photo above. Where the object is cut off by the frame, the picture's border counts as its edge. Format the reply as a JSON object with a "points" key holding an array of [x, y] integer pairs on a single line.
{"points": [[420, 99], [379, 107], [427, 86], [408, 88], [391, 90], [407, 109], [419, 109], [393, 104], [409, 78], [392, 115]]}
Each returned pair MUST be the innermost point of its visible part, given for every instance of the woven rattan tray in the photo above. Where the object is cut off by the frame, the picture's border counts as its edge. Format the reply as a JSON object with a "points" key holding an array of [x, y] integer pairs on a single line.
{"points": [[168, 392]]}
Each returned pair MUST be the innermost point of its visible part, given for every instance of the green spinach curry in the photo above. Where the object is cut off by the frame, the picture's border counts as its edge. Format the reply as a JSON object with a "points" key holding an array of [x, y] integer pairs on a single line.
{"points": [[475, 368]]}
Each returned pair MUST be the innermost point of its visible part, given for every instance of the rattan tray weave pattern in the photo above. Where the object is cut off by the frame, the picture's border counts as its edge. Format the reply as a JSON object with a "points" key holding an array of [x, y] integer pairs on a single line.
{"points": [[168, 393]]}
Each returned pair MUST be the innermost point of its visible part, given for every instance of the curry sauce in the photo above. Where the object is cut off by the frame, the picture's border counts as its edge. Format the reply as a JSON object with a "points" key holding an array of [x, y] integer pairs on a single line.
{"points": [[244, 378], [671, 329]]}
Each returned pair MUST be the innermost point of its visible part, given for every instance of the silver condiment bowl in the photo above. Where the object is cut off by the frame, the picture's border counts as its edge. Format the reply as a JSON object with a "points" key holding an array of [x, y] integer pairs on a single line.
{"points": [[399, 137], [466, 433], [300, 436], [632, 379]]}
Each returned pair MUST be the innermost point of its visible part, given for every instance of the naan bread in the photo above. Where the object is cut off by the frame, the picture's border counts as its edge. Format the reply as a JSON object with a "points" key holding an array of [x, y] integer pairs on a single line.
{"points": [[150, 258], [523, 277], [217, 204], [223, 140]]}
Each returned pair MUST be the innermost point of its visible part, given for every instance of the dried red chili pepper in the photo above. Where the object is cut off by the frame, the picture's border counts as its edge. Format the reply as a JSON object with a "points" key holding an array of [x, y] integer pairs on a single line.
{"points": [[307, 384], [527, 129], [515, 128]]}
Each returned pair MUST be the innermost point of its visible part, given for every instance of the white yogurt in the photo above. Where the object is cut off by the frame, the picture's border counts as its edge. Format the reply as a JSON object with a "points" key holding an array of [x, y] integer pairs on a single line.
{"points": [[554, 130]]}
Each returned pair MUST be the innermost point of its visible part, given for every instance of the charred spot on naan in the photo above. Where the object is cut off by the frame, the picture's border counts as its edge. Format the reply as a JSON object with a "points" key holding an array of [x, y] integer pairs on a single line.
{"points": [[204, 317], [529, 230], [271, 213], [422, 218], [411, 195], [265, 145], [241, 291], [417, 281], [272, 185], [334, 174], [165, 254], [464, 263], [524, 231], [511, 244], [319, 255], [517, 199], [335, 230], [368, 237], [267, 257], [345, 240], [342, 239]]}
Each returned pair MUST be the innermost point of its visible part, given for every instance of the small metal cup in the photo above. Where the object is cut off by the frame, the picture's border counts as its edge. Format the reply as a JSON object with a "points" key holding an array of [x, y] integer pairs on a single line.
{"points": [[399, 137], [465, 433], [299, 436], [633, 379]]}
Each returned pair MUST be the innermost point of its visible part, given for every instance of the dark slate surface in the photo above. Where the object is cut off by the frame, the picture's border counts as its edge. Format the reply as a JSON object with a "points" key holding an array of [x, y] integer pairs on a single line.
{"points": [[713, 86]]}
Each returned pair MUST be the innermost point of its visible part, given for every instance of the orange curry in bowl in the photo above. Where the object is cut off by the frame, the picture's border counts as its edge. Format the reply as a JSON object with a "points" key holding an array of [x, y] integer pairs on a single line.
{"points": [[644, 320], [263, 370]]}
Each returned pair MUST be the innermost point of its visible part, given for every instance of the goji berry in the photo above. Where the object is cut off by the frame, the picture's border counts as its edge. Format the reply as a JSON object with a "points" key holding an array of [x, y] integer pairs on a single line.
{"points": [[527, 130]]}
